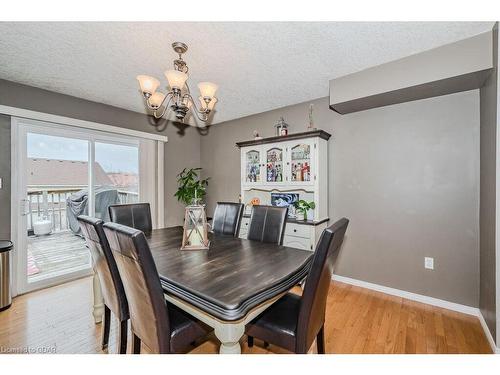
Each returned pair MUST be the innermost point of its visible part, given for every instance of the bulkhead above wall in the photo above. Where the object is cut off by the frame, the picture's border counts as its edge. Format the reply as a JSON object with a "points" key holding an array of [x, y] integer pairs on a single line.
{"points": [[460, 66]]}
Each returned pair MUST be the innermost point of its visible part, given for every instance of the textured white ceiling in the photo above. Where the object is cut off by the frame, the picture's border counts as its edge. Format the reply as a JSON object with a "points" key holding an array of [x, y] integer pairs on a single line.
{"points": [[258, 66]]}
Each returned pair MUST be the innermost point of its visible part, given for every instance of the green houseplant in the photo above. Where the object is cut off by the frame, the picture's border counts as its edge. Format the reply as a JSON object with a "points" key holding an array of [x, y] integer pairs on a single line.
{"points": [[302, 207], [191, 189]]}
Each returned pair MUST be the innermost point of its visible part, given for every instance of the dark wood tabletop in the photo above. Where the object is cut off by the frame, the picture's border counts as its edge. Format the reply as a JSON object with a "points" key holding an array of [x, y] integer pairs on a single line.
{"points": [[230, 278]]}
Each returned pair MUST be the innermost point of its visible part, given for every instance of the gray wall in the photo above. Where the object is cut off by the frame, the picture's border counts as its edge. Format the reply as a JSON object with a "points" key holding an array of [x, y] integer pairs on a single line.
{"points": [[182, 150], [5, 175], [407, 176], [487, 217]]}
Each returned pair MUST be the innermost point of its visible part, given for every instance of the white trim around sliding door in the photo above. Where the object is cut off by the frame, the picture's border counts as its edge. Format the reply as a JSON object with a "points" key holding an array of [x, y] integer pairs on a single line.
{"points": [[152, 159], [160, 178], [47, 117]]}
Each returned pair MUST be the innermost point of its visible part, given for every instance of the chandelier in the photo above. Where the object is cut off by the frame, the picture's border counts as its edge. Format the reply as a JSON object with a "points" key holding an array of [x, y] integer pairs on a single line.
{"points": [[179, 99]]}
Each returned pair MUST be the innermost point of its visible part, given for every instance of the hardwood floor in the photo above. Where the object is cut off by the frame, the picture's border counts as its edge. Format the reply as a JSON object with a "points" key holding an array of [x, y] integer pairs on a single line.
{"points": [[358, 320]]}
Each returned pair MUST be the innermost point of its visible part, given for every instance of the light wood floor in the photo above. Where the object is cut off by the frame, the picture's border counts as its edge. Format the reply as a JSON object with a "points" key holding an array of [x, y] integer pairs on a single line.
{"points": [[358, 321]]}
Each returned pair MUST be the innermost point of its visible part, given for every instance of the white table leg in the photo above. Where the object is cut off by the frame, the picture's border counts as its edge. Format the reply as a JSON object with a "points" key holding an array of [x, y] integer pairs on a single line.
{"points": [[229, 333], [98, 310], [229, 336]]}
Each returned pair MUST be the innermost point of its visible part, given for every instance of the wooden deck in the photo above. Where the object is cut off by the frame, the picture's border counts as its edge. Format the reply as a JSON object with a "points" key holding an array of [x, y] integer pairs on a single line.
{"points": [[55, 254]]}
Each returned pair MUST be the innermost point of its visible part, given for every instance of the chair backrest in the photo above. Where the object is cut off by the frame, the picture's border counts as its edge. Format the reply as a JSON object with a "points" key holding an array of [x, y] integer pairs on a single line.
{"points": [[135, 215], [104, 265], [267, 224], [227, 218], [313, 303], [148, 309]]}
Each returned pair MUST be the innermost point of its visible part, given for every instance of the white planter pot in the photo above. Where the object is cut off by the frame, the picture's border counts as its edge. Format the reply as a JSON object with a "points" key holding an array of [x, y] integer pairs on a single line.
{"points": [[299, 216], [42, 227]]}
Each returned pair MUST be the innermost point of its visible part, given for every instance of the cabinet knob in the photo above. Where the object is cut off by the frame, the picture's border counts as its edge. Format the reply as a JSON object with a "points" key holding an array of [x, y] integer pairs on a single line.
{"points": [[295, 230]]}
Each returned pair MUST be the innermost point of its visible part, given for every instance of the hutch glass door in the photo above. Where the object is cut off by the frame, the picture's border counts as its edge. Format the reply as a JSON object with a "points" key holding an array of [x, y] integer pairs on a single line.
{"points": [[252, 166], [274, 165], [301, 162]]}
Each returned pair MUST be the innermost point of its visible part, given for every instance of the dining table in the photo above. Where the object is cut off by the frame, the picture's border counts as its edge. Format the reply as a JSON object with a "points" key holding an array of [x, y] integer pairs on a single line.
{"points": [[227, 285]]}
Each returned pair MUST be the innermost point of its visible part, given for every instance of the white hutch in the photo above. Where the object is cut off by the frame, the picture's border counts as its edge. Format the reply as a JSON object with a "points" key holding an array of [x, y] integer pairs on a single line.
{"points": [[293, 166]]}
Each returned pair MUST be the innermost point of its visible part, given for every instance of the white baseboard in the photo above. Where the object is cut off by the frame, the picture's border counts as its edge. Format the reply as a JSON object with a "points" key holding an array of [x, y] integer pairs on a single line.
{"points": [[469, 310], [488, 333]]}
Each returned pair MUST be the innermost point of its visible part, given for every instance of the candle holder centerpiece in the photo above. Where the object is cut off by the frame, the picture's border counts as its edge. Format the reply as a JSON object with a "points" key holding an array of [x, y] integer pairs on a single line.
{"points": [[191, 191], [195, 235]]}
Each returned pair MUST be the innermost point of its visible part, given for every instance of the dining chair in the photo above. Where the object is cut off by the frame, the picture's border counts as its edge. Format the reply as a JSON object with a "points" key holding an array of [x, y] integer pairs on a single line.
{"points": [[267, 224], [227, 219], [135, 215], [104, 265], [161, 326], [293, 322]]}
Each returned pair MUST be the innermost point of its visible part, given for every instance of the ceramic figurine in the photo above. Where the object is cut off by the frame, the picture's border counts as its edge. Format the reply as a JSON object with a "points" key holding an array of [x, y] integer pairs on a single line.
{"points": [[281, 127]]}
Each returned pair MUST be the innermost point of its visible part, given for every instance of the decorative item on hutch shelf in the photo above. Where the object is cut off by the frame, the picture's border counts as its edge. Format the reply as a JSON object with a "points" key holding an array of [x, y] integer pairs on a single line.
{"points": [[281, 127], [311, 120], [256, 135], [301, 163], [302, 207], [178, 99]]}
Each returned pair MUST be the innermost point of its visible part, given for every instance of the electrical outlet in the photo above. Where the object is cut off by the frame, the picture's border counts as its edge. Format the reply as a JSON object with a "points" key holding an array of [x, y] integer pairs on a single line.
{"points": [[429, 263]]}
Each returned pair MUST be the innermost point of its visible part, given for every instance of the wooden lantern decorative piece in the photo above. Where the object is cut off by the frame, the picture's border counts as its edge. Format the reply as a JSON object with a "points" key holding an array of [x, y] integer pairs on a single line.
{"points": [[195, 235]]}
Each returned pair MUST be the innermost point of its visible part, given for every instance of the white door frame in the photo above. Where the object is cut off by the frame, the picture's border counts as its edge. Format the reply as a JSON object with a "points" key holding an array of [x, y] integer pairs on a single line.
{"points": [[19, 128]]}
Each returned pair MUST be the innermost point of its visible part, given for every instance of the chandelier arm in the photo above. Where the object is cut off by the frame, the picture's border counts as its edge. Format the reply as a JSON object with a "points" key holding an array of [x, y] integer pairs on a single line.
{"points": [[148, 103], [197, 110], [165, 108]]}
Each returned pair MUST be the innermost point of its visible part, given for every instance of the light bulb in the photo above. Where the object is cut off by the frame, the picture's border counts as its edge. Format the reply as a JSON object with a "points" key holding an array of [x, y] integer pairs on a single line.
{"points": [[176, 79], [210, 105], [148, 84], [156, 99], [207, 89]]}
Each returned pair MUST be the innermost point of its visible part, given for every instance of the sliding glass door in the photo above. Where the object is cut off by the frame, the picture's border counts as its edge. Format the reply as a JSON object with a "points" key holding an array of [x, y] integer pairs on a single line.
{"points": [[63, 173], [116, 176], [57, 168]]}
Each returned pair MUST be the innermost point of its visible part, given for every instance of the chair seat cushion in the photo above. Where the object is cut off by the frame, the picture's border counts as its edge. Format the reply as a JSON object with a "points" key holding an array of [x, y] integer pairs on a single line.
{"points": [[184, 329], [278, 324]]}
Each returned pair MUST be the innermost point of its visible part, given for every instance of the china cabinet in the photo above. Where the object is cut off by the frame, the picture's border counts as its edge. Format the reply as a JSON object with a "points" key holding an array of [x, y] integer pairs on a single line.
{"points": [[294, 167]]}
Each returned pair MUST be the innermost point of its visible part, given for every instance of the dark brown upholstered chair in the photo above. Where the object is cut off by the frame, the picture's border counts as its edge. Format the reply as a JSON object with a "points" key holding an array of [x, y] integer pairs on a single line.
{"points": [[111, 284], [135, 215], [227, 219], [293, 322], [162, 327], [267, 224]]}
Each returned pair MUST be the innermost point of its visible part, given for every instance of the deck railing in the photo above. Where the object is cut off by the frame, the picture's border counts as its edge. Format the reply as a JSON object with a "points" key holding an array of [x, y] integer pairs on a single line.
{"points": [[51, 203]]}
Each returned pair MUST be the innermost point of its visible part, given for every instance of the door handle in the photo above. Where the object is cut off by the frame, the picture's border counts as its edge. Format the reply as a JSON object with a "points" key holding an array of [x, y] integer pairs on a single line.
{"points": [[24, 211]]}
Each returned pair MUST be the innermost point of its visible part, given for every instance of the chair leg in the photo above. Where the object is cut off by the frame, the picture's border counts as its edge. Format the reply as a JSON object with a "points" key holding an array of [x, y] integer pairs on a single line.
{"points": [[250, 341], [320, 340], [136, 344], [106, 325], [122, 337]]}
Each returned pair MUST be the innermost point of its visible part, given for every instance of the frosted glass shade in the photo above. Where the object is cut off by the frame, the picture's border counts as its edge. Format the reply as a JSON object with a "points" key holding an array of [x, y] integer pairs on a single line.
{"points": [[176, 79], [148, 84], [156, 99], [207, 89], [210, 105]]}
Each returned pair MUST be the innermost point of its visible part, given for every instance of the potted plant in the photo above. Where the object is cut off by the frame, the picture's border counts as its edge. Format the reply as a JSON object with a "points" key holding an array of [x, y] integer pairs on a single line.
{"points": [[302, 207], [191, 188]]}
